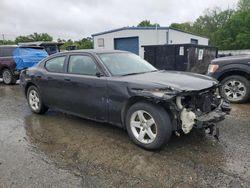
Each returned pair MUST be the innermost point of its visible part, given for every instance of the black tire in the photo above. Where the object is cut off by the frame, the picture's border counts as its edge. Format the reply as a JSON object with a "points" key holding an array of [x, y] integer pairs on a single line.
{"points": [[162, 125], [239, 79], [41, 108], [8, 77]]}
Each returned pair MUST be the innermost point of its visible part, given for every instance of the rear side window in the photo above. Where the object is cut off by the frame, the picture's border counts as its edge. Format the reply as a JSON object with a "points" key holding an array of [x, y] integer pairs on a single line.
{"points": [[81, 64], [7, 51], [56, 64]]}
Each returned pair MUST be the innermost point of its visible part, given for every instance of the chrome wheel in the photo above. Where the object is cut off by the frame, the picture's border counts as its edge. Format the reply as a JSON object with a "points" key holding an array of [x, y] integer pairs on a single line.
{"points": [[143, 127], [234, 90], [34, 100], [7, 76]]}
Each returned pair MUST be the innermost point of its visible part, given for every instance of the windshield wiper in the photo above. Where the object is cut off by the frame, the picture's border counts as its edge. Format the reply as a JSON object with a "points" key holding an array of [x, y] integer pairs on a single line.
{"points": [[134, 73]]}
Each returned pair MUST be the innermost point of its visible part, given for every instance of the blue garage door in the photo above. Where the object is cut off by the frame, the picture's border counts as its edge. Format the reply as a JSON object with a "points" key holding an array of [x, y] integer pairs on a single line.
{"points": [[130, 44]]}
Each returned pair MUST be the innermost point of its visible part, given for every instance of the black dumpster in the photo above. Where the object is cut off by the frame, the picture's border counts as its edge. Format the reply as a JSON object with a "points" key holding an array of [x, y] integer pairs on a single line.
{"points": [[180, 57]]}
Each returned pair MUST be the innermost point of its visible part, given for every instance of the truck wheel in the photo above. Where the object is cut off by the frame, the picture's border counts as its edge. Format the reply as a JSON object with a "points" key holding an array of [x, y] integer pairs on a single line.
{"points": [[148, 125], [35, 102], [8, 77], [235, 88]]}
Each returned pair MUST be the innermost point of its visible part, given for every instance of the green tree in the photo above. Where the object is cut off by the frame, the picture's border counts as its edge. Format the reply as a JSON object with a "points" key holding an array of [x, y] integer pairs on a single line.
{"points": [[206, 25], [235, 34], [244, 5], [34, 37], [6, 42], [187, 26], [85, 43], [147, 23]]}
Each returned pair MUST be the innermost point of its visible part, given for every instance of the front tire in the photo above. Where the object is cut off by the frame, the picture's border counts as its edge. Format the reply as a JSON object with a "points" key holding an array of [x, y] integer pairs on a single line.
{"points": [[8, 77], [35, 102], [235, 88], [148, 125]]}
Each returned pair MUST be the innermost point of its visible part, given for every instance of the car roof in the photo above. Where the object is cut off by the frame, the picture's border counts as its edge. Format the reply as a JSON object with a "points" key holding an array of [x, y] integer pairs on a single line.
{"points": [[91, 51]]}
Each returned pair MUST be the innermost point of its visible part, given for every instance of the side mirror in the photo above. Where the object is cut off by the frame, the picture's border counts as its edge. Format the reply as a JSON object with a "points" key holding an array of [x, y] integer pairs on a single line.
{"points": [[99, 74]]}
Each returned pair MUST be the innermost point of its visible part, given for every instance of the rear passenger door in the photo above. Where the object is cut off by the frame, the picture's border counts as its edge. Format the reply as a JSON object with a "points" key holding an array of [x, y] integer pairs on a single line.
{"points": [[51, 82], [87, 93]]}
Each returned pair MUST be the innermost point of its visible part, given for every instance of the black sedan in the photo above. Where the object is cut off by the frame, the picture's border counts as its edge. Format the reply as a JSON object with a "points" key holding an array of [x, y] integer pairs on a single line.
{"points": [[122, 89]]}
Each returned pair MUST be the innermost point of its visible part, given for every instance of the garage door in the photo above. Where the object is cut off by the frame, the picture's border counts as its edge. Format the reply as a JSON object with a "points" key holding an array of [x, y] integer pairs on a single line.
{"points": [[130, 44]]}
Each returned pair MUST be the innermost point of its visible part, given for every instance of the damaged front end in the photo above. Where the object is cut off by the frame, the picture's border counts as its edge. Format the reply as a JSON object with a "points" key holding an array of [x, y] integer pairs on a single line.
{"points": [[201, 109]]}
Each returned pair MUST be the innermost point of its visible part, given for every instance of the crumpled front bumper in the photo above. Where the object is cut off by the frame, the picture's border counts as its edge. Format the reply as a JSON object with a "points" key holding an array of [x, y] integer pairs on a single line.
{"points": [[214, 116]]}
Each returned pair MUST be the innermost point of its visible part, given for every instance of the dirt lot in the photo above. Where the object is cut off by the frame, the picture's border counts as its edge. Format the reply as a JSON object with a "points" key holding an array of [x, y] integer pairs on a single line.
{"points": [[59, 150]]}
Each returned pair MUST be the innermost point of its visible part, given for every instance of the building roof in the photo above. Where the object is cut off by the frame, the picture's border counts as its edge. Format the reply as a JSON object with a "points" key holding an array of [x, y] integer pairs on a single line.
{"points": [[143, 28], [130, 28]]}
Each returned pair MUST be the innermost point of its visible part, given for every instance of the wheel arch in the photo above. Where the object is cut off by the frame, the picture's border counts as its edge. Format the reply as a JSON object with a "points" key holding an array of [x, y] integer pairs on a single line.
{"points": [[135, 99], [238, 72], [2, 68], [29, 84]]}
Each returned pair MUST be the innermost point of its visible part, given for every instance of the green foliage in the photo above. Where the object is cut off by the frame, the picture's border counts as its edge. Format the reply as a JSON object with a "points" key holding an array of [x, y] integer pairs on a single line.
{"points": [[244, 5], [6, 42], [207, 24], [85, 43], [235, 34], [34, 37], [187, 26], [147, 23], [228, 29]]}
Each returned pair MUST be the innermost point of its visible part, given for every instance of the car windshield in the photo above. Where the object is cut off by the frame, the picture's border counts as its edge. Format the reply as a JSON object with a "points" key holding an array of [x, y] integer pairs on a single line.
{"points": [[122, 64]]}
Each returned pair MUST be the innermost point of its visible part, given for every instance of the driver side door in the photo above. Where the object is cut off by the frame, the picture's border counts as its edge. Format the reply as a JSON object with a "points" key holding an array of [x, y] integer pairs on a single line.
{"points": [[87, 93]]}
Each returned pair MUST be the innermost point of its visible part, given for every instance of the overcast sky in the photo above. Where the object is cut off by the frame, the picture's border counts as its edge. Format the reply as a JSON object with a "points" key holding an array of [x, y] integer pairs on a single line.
{"points": [[80, 18]]}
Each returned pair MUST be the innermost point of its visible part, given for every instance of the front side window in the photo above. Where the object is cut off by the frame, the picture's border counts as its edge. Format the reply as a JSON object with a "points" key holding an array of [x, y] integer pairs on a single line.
{"points": [[121, 64], [56, 64], [81, 64]]}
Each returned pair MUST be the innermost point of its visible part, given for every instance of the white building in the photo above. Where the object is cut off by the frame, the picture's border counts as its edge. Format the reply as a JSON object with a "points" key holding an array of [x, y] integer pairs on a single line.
{"points": [[133, 38]]}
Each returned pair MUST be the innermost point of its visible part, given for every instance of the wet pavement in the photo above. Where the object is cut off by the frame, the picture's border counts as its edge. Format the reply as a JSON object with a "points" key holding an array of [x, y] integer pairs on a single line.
{"points": [[60, 150]]}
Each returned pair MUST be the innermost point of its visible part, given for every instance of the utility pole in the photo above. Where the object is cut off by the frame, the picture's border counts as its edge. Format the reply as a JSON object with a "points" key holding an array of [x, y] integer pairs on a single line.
{"points": [[3, 36]]}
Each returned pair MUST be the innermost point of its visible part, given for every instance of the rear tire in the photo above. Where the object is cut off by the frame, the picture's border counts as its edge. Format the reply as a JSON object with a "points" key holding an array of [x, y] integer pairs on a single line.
{"points": [[35, 102], [235, 88], [148, 125], [8, 77]]}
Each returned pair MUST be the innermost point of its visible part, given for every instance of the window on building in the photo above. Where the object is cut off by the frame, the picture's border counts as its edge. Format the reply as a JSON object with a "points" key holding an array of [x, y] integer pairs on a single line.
{"points": [[100, 42], [194, 41]]}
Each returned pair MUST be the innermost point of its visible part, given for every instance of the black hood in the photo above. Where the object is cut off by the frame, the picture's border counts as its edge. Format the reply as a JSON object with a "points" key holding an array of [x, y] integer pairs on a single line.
{"points": [[182, 81]]}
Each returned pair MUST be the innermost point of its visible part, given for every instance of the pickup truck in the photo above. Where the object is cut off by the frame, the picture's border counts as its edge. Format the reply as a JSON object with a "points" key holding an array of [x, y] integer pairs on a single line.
{"points": [[233, 72], [14, 58]]}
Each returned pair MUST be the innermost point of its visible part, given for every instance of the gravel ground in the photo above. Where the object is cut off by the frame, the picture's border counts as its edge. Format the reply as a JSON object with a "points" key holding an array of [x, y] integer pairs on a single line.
{"points": [[60, 150]]}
